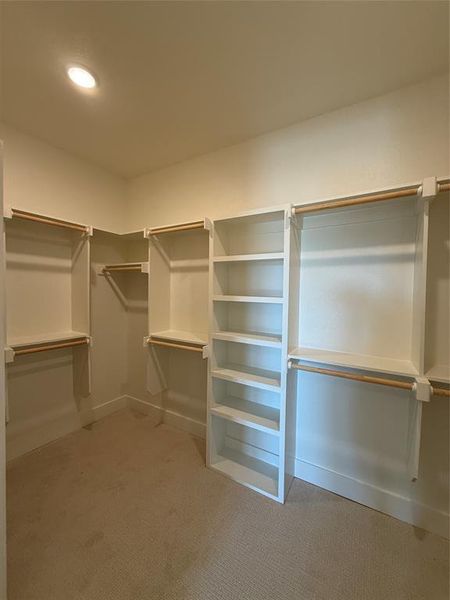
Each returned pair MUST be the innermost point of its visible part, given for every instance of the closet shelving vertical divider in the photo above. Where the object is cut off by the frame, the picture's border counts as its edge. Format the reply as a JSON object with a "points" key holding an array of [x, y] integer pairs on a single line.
{"points": [[247, 427], [48, 289]]}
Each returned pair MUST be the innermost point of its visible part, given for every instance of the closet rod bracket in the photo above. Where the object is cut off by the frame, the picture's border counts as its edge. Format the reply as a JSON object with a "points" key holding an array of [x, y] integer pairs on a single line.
{"points": [[9, 355], [422, 389], [429, 188]]}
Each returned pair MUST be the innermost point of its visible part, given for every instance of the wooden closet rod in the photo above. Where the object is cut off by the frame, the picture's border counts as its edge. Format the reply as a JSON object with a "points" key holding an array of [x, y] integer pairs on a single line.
{"points": [[34, 349], [357, 200], [136, 267], [181, 227], [404, 385], [440, 392], [171, 345], [20, 214]]}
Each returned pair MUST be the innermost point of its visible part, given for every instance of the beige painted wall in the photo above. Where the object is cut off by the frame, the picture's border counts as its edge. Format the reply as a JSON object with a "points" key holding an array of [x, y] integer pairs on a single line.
{"points": [[398, 138], [44, 179], [390, 140], [47, 180]]}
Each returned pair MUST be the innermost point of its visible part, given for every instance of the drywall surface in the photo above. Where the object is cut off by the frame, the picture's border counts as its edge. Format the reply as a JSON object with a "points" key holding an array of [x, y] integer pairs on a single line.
{"points": [[393, 139], [2, 402], [351, 438], [43, 179], [42, 401]]}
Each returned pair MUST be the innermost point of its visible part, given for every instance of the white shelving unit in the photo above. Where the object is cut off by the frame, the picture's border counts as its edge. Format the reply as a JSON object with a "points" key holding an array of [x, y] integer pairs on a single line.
{"points": [[178, 287], [48, 284], [249, 289], [362, 274]]}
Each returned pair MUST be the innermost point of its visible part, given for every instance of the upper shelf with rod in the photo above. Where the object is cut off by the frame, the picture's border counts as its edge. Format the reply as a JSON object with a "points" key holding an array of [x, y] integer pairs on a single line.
{"points": [[179, 227], [443, 185], [137, 267], [48, 283], [44, 343], [15, 213], [178, 287], [362, 280]]}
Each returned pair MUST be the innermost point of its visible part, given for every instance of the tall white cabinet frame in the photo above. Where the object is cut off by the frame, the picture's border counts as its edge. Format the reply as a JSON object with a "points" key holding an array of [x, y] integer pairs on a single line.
{"points": [[247, 428], [402, 225]]}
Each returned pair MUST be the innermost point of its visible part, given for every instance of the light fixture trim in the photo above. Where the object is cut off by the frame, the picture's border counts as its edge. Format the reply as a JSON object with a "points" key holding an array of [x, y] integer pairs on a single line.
{"points": [[81, 77]]}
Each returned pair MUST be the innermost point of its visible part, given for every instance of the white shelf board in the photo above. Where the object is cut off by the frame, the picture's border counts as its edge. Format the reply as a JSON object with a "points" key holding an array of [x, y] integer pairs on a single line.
{"points": [[259, 378], [187, 337], [377, 364], [251, 472], [439, 373], [124, 267], [252, 414], [257, 339], [257, 299], [250, 257], [45, 338]]}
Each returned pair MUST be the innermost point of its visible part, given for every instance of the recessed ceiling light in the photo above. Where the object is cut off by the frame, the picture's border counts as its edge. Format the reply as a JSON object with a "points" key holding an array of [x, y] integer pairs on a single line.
{"points": [[81, 77]]}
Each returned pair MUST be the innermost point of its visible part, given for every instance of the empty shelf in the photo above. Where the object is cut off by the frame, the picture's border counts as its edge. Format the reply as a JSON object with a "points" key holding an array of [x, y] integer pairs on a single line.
{"points": [[258, 339], [140, 267], [252, 472], [258, 299], [259, 378], [45, 338], [366, 362], [186, 337], [250, 257], [439, 373], [255, 415]]}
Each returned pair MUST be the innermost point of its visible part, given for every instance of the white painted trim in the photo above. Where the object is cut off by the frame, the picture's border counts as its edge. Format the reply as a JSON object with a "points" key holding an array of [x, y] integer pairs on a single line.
{"points": [[168, 417], [90, 415], [385, 501], [28, 436], [374, 497]]}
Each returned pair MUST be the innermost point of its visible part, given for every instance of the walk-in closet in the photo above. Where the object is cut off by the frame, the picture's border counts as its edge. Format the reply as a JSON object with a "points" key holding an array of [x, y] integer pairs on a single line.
{"points": [[225, 300]]}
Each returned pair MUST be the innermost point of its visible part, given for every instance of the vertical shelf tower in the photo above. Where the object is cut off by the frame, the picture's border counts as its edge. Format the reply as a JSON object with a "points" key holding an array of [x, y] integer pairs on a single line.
{"points": [[249, 298]]}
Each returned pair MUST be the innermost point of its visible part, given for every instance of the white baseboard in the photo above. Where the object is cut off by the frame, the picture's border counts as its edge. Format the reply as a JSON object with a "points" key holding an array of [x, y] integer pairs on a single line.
{"points": [[385, 501], [29, 435], [90, 415], [169, 417]]}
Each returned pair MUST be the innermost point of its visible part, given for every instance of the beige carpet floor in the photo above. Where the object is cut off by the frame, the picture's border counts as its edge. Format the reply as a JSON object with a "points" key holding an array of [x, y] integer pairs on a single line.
{"points": [[126, 510]]}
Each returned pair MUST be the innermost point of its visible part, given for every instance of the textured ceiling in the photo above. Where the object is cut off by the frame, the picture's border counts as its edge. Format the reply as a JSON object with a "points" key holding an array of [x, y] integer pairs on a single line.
{"points": [[179, 79]]}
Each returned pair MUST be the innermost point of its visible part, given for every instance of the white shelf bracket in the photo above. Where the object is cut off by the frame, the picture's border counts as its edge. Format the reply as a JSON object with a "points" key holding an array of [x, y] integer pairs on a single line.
{"points": [[429, 188], [205, 351], [146, 341], [89, 231], [207, 224], [146, 233], [9, 355], [7, 212], [90, 341], [422, 391]]}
